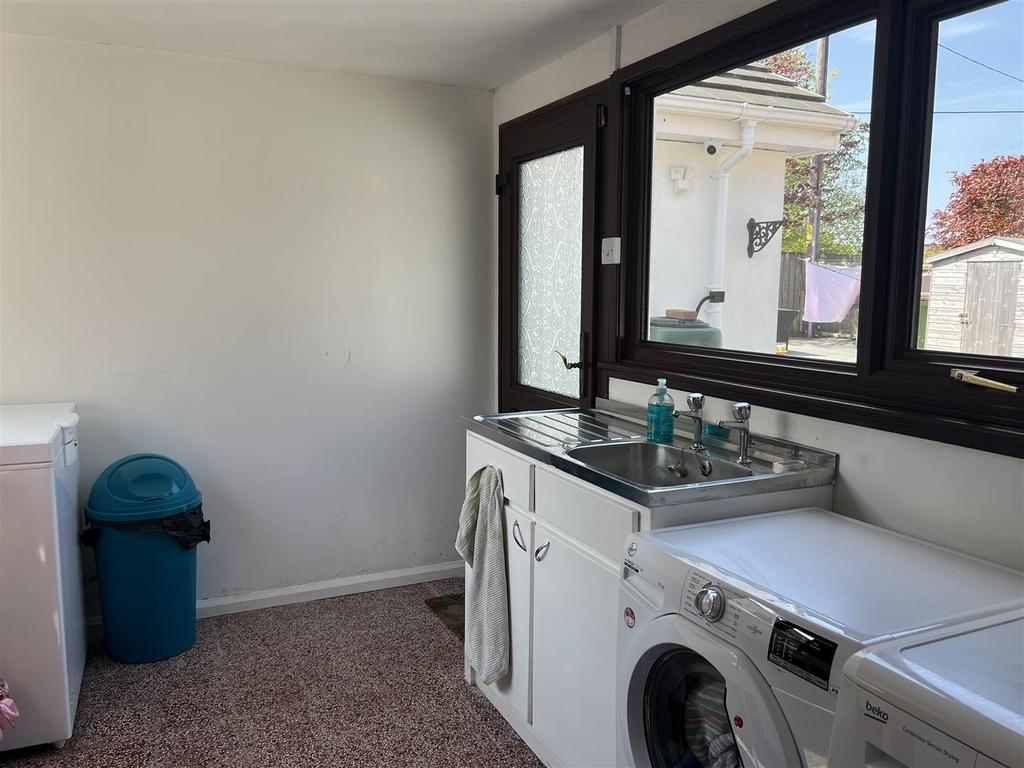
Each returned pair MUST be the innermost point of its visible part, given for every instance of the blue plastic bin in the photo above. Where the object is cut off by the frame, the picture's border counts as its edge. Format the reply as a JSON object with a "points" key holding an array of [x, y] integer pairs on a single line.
{"points": [[145, 517]]}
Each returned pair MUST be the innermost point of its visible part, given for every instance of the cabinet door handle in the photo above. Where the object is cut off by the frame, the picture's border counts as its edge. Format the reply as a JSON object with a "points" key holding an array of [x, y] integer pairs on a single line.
{"points": [[517, 534], [541, 551]]}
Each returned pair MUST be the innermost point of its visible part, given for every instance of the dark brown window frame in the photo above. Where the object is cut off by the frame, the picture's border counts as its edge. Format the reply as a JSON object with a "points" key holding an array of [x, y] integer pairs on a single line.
{"points": [[573, 121], [892, 386]]}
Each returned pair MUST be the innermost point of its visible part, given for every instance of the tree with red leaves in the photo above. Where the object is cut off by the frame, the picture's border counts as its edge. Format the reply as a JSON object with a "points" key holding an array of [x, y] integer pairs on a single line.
{"points": [[988, 200]]}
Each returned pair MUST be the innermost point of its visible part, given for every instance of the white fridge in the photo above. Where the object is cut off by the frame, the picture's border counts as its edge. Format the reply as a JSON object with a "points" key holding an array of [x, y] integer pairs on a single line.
{"points": [[42, 616]]}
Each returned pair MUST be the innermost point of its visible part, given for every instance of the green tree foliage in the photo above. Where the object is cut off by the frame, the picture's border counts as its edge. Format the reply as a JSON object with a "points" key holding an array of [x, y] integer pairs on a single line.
{"points": [[842, 183]]}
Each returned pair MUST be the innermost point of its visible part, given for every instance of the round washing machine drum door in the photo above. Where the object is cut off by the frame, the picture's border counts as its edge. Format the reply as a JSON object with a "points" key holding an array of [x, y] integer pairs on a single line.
{"points": [[693, 701], [686, 721]]}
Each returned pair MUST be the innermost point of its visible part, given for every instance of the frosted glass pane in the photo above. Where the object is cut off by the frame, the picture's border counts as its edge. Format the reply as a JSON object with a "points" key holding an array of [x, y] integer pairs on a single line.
{"points": [[550, 270]]}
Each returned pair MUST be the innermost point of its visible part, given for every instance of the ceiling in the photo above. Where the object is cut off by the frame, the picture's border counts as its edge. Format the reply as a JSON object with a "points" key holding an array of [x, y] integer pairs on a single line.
{"points": [[479, 43]]}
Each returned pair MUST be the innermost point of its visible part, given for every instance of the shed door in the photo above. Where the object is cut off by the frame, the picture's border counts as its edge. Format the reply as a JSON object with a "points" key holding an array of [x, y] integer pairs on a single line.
{"points": [[990, 308]]}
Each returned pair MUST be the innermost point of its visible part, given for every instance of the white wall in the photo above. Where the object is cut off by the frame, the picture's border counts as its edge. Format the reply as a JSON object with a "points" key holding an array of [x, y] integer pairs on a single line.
{"points": [[282, 278], [969, 500], [659, 28], [682, 241]]}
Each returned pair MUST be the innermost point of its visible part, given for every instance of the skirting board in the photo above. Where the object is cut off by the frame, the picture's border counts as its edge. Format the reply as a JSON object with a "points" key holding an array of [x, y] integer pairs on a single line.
{"points": [[318, 590]]}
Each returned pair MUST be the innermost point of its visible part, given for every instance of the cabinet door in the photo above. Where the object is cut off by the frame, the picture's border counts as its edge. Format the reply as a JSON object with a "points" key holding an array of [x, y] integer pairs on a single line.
{"points": [[575, 608], [514, 688]]}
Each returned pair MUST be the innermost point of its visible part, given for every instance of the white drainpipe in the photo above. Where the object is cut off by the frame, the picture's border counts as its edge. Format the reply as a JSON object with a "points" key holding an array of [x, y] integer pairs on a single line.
{"points": [[714, 311]]}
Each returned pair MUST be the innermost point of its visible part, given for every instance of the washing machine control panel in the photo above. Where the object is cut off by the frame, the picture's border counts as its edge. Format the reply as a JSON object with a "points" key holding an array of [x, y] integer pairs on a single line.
{"points": [[711, 603], [781, 648], [802, 653]]}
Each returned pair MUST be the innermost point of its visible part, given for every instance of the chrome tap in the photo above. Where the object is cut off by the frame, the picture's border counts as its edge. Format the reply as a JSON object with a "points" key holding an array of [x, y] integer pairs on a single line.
{"points": [[695, 402], [741, 423]]}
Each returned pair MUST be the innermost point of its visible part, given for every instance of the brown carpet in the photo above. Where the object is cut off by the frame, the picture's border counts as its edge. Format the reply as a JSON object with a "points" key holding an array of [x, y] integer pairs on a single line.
{"points": [[363, 680]]}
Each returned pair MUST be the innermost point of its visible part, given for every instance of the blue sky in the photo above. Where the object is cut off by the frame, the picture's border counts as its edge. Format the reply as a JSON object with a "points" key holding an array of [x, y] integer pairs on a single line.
{"points": [[992, 35]]}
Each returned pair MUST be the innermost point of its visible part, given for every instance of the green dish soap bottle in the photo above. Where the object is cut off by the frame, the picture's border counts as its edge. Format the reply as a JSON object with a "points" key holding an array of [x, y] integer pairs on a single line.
{"points": [[661, 420]]}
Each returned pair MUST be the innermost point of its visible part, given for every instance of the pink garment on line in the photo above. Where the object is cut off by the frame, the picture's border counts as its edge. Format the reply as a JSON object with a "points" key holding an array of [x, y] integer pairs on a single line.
{"points": [[829, 292]]}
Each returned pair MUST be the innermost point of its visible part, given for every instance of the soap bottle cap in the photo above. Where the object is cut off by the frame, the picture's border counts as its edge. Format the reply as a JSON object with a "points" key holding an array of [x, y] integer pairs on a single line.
{"points": [[662, 384]]}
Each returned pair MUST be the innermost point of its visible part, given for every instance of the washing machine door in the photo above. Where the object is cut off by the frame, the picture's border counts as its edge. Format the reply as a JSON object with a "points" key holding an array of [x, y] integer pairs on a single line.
{"points": [[688, 699]]}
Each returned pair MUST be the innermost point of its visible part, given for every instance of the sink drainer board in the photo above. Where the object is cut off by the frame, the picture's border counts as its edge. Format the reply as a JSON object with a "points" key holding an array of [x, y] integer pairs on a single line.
{"points": [[566, 429]]}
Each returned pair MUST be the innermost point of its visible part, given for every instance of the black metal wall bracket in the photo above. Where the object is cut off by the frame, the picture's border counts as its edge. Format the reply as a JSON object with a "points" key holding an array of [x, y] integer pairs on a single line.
{"points": [[759, 234]]}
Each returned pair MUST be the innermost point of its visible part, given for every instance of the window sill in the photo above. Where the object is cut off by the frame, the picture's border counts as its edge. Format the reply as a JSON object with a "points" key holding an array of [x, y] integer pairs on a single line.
{"points": [[995, 438]]}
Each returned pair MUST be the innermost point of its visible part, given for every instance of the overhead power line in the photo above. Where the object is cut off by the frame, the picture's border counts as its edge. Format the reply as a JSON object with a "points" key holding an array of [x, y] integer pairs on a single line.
{"points": [[978, 112], [980, 64], [966, 112]]}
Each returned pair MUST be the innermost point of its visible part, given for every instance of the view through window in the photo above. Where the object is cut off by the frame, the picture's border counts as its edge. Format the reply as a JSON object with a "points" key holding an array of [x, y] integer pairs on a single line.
{"points": [[972, 280], [757, 203]]}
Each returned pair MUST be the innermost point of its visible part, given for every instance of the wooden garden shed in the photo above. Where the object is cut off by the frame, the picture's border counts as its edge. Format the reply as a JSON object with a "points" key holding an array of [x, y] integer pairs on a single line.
{"points": [[976, 299]]}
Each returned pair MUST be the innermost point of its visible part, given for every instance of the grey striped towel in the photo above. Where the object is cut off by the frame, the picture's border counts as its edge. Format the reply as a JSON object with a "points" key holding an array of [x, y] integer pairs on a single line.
{"points": [[481, 542]]}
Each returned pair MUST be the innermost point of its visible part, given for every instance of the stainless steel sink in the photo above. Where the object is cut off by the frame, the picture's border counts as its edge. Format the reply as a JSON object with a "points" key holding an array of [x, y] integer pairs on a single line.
{"points": [[607, 448], [655, 465]]}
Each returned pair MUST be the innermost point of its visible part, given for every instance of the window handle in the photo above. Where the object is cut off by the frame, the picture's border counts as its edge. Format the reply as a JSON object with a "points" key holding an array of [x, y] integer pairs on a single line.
{"points": [[580, 364], [566, 363], [972, 377]]}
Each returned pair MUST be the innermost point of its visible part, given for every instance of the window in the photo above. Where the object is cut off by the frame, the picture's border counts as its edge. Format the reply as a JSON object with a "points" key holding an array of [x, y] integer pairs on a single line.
{"points": [[972, 281], [546, 228], [819, 207], [796, 282], [758, 189]]}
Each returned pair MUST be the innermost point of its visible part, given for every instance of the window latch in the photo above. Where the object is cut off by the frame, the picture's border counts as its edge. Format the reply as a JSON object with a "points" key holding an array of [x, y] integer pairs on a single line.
{"points": [[565, 361], [972, 377]]}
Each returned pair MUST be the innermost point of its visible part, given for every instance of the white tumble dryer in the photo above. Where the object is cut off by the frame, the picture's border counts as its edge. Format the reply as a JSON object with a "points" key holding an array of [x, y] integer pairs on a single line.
{"points": [[944, 699], [733, 634]]}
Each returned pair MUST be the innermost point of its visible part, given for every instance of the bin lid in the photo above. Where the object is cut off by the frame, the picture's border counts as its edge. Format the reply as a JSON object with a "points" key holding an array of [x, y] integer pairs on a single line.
{"points": [[143, 486]]}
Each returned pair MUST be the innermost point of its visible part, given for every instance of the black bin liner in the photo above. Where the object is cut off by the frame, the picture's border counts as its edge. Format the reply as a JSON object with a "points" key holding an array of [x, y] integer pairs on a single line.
{"points": [[187, 528]]}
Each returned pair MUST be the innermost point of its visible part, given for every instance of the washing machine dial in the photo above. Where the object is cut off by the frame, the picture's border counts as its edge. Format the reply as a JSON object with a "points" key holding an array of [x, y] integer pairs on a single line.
{"points": [[710, 603]]}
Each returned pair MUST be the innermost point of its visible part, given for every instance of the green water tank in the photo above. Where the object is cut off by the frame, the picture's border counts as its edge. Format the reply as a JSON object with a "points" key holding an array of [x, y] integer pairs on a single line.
{"points": [[694, 333]]}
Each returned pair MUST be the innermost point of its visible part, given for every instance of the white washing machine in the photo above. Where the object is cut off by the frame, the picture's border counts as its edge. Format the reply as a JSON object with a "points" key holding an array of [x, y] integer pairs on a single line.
{"points": [[42, 618], [733, 634], [943, 699]]}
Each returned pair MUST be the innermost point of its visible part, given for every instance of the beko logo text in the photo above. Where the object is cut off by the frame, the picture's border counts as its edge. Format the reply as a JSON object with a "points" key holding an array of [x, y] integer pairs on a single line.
{"points": [[875, 713]]}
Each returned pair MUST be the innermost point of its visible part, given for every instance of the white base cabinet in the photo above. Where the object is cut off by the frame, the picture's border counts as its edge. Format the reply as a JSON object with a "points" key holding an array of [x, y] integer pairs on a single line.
{"points": [[514, 688], [561, 543], [575, 602], [512, 691]]}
